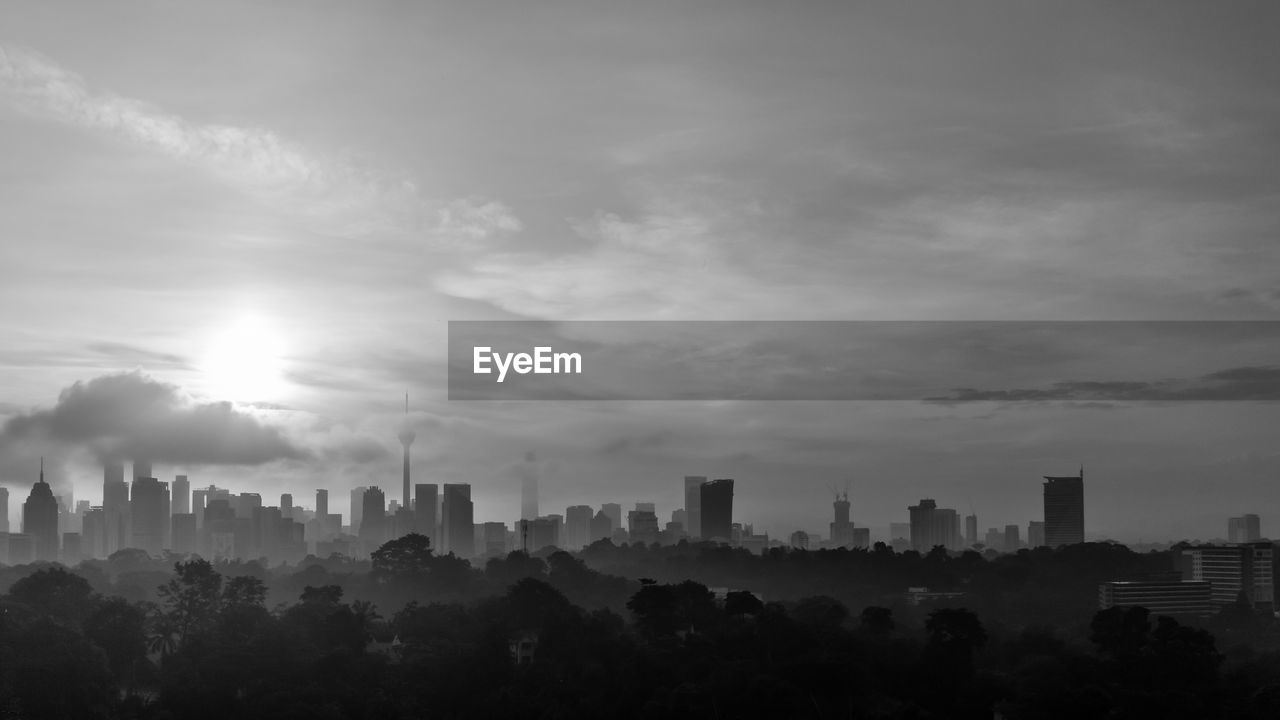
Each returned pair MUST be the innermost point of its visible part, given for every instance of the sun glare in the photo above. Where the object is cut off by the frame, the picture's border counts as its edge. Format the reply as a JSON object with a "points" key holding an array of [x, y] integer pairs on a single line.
{"points": [[244, 363]]}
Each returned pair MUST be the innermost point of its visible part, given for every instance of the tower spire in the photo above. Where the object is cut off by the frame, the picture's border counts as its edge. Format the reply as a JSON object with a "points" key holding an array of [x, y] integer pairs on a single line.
{"points": [[41, 468]]}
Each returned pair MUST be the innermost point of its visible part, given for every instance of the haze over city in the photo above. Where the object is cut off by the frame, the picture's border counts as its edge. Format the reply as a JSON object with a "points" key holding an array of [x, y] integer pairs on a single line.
{"points": [[236, 262]]}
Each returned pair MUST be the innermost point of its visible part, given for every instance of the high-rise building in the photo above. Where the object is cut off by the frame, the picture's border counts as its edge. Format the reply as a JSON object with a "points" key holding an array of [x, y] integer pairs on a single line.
{"points": [[841, 528], [1035, 533], [181, 499], [716, 509], [932, 526], [183, 533], [357, 509], [642, 525], [4, 509], [456, 520], [425, 500], [93, 533], [577, 526], [970, 530], [1012, 538], [1064, 510], [141, 468], [693, 505], [1244, 529], [994, 539], [115, 508], [40, 519], [601, 526], [373, 519], [149, 509], [322, 502], [614, 512], [286, 505], [529, 488], [406, 439]]}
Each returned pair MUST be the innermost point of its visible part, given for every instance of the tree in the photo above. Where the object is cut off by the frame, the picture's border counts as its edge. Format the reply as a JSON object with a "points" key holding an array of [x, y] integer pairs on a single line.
{"points": [[56, 592], [742, 602], [877, 620], [404, 559], [192, 598], [120, 629]]}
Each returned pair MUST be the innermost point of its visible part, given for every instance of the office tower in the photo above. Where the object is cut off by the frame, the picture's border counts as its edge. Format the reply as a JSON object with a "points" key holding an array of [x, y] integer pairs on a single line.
{"points": [[424, 511], [141, 468], [286, 505], [693, 504], [861, 537], [1232, 571], [406, 439], [149, 510], [716, 509], [529, 488], [493, 538], [1064, 510], [601, 526], [1244, 529], [246, 504], [1161, 597], [1012, 538], [71, 550], [40, 519], [642, 526], [115, 508], [1035, 533], [357, 509], [373, 519], [4, 509], [932, 526], [799, 540], [322, 502], [577, 526], [970, 530], [456, 520], [93, 533], [181, 499], [218, 528], [183, 533], [614, 512], [841, 528], [994, 539]]}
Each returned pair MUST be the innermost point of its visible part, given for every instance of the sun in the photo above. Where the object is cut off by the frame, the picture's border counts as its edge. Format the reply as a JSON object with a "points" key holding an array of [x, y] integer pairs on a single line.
{"points": [[244, 363]]}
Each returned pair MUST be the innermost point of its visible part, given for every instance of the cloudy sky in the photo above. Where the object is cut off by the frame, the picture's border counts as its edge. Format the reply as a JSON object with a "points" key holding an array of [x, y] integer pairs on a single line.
{"points": [[280, 206]]}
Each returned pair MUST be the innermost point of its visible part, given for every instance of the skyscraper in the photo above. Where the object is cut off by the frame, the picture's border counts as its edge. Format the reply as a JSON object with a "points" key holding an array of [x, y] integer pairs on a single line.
{"points": [[406, 439], [1244, 529], [577, 526], [40, 518], [425, 501], [181, 499], [529, 488], [4, 509], [373, 522], [357, 509], [149, 510], [614, 512], [1035, 533], [141, 468], [970, 530], [693, 505], [322, 502], [841, 527], [716, 509], [115, 508], [457, 521], [932, 526], [1064, 510]]}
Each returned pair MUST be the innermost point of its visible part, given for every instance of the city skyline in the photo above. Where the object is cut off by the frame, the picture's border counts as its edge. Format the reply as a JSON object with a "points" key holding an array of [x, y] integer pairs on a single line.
{"points": [[286, 222]]}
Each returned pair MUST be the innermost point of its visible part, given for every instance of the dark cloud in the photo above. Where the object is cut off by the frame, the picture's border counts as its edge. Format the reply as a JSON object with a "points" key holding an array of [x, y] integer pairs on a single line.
{"points": [[1242, 384], [133, 415]]}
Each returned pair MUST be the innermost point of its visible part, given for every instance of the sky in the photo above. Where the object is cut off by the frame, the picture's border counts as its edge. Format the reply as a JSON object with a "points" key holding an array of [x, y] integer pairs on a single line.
{"points": [[232, 236]]}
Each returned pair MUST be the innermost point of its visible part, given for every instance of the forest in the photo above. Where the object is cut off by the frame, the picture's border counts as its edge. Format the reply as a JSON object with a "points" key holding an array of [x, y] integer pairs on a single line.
{"points": [[693, 630]]}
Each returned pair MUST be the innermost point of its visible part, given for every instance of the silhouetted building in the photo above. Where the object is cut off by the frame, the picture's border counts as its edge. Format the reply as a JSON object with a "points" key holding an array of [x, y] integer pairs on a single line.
{"points": [[493, 538], [529, 488], [1012, 539], [322, 502], [693, 505], [141, 469], [1244, 529], [970, 530], [800, 540], [1064, 510], [1163, 597], [357, 509], [716, 510], [456, 520], [373, 519], [40, 519], [932, 526], [426, 499], [149, 511], [577, 526], [406, 440], [642, 526], [93, 533], [614, 511], [4, 509], [181, 496], [183, 533], [601, 526], [841, 528], [1035, 534], [994, 539], [115, 508]]}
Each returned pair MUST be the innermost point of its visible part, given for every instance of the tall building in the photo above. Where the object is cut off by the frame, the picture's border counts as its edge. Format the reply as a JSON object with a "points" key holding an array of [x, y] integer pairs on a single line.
{"points": [[614, 512], [373, 519], [93, 533], [425, 500], [601, 526], [841, 527], [642, 525], [141, 468], [1035, 533], [149, 511], [1244, 529], [322, 502], [357, 509], [40, 519], [529, 488], [1012, 539], [932, 526], [716, 509], [577, 526], [115, 508], [1064, 510], [4, 509], [181, 498], [970, 530], [693, 505], [456, 520], [406, 439]]}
